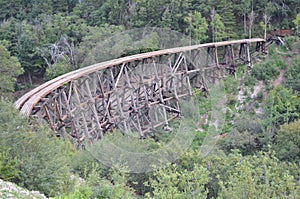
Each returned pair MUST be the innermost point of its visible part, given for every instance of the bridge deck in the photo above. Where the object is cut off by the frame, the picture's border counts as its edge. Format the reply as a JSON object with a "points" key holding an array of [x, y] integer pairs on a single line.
{"points": [[27, 102]]}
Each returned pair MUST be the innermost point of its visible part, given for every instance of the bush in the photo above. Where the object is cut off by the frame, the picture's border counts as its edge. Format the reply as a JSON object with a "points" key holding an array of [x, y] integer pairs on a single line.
{"points": [[260, 176], [36, 160], [248, 136], [287, 143], [172, 182], [96, 187], [293, 75], [267, 70], [290, 42], [282, 106]]}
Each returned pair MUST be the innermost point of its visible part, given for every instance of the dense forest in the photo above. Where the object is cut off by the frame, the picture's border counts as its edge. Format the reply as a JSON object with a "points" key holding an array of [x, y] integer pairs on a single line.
{"points": [[259, 154], [47, 34]]}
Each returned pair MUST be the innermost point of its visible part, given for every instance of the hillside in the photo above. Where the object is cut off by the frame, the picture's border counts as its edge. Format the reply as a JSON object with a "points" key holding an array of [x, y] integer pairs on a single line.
{"points": [[245, 132]]}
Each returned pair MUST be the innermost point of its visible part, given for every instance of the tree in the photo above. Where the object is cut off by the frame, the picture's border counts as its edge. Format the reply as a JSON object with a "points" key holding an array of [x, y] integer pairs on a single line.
{"points": [[248, 136], [90, 11], [246, 6], [225, 8], [287, 144], [41, 160], [150, 12], [97, 38], [297, 22], [60, 57], [9, 8], [176, 13], [197, 27], [171, 182], [217, 27], [251, 17], [60, 6], [33, 8], [293, 75], [282, 106], [118, 12], [285, 11], [265, 11], [259, 176], [26, 50], [10, 69]]}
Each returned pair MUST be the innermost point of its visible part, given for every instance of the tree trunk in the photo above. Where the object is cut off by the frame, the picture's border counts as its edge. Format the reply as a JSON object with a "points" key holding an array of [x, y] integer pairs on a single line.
{"points": [[251, 21], [245, 21], [29, 78], [267, 19]]}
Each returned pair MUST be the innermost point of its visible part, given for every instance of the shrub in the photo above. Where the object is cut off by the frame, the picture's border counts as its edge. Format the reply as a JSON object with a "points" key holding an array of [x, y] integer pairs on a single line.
{"points": [[287, 143], [267, 70], [282, 106], [293, 75], [37, 160]]}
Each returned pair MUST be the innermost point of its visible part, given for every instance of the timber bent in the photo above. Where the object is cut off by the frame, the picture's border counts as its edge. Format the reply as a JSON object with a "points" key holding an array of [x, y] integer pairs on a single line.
{"points": [[137, 93]]}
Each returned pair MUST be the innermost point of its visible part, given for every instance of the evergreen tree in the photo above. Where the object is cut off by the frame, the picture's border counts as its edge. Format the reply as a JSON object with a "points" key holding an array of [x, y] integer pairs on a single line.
{"points": [[225, 8], [10, 69], [198, 27], [217, 27], [60, 6], [9, 8]]}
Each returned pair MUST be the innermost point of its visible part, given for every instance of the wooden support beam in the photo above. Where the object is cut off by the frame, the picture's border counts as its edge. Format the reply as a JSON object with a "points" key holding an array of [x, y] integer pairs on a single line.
{"points": [[136, 93]]}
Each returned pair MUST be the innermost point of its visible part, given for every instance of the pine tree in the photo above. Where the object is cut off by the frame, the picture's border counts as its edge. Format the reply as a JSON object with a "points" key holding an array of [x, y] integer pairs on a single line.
{"points": [[217, 27], [9, 8], [10, 69], [198, 27]]}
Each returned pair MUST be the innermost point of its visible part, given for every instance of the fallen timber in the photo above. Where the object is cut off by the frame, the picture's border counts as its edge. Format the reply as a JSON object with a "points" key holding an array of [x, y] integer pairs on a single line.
{"points": [[137, 93]]}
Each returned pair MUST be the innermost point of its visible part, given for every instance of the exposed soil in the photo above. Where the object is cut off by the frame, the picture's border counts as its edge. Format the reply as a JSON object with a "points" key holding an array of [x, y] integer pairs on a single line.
{"points": [[280, 78]]}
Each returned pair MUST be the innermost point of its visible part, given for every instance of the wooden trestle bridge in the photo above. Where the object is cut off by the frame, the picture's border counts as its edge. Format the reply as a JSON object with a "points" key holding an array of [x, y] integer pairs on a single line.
{"points": [[136, 93]]}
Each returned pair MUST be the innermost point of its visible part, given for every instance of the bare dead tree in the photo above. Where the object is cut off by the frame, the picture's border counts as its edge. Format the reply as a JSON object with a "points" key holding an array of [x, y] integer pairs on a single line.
{"points": [[69, 49], [267, 19], [245, 20], [63, 50], [251, 21], [52, 54]]}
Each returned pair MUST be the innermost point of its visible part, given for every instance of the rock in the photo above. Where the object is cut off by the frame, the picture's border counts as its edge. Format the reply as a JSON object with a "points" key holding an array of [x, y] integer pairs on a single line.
{"points": [[10, 190]]}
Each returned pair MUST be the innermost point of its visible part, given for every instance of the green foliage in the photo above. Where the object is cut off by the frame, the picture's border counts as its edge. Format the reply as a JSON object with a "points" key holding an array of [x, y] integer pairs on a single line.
{"points": [[236, 176], [231, 85], [26, 52], [171, 182], [10, 69], [61, 68], [287, 144], [8, 166], [80, 192], [198, 27], [218, 28], [36, 160], [260, 176], [250, 80], [99, 38], [282, 106], [297, 22], [225, 8], [96, 187], [248, 136], [269, 69], [293, 75], [84, 164], [32, 157]]}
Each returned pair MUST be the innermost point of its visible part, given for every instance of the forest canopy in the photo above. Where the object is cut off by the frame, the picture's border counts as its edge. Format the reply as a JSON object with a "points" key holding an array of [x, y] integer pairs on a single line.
{"points": [[50, 37]]}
